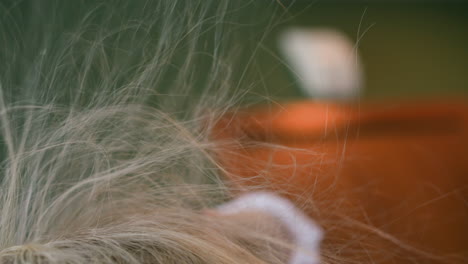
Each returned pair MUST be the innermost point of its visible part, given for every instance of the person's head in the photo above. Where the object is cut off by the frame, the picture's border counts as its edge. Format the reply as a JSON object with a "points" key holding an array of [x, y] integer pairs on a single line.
{"points": [[106, 113]]}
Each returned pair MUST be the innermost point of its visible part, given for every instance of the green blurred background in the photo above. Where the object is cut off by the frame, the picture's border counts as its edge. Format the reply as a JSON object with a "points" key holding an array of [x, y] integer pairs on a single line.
{"points": [[410, 49]]}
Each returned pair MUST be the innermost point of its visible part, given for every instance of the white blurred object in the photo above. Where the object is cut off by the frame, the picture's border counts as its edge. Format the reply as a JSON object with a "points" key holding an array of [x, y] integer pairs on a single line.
{"points": [[325, 61]]}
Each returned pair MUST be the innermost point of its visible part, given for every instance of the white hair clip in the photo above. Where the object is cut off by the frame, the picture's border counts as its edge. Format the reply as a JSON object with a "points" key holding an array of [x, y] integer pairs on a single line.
{"points": [[306, 234]]}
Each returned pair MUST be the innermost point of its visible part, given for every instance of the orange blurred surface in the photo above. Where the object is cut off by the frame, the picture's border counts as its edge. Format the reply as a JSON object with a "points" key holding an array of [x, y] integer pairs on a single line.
{"points": [[388, 182]]}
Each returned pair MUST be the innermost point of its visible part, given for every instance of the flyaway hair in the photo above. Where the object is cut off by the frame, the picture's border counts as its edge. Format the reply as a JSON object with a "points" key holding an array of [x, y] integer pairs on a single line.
{"points": [[105, 109], [121, 128]]}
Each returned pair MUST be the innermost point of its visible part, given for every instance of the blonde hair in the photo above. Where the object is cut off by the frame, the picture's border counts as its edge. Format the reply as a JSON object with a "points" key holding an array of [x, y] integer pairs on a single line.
{"points": [[105, 120], [106, 112]]}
